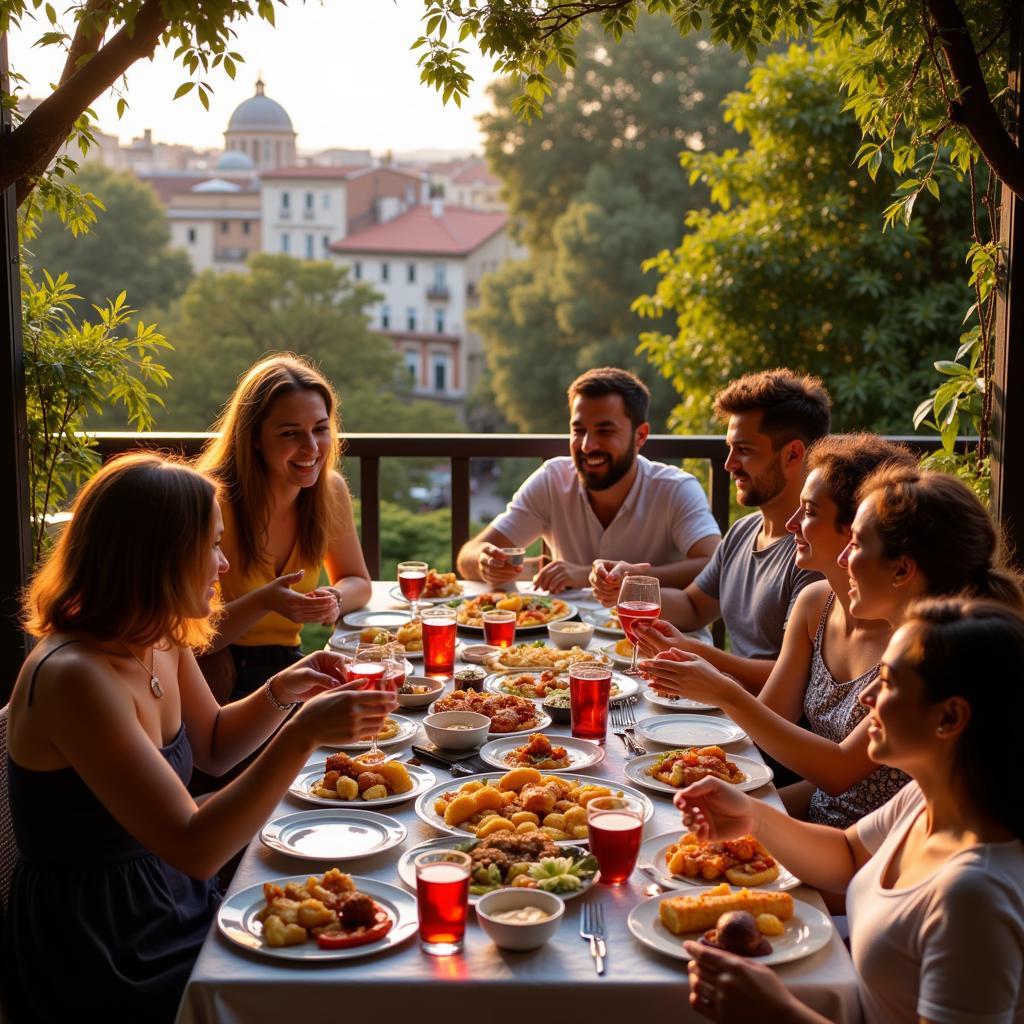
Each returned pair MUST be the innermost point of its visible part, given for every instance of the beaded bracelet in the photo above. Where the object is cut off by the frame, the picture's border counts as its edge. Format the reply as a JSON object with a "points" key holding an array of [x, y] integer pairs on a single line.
{"points": [[273, 700]]}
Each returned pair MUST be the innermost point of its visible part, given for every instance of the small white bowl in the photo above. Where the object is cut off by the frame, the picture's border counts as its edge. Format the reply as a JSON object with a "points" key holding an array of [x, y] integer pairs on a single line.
{"points": [[566, 635], [438, 728], [519, 937], [420, 700], [478, 653]]}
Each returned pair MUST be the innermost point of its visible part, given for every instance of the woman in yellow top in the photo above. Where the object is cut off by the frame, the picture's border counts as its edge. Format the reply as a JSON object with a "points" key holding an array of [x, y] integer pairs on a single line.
{"points": [[287, 511]]}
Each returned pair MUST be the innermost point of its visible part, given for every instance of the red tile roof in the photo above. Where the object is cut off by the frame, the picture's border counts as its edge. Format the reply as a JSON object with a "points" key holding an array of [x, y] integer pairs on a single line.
{"points": [[343, 173], [456, 232], [476, 174], [167, 185]]}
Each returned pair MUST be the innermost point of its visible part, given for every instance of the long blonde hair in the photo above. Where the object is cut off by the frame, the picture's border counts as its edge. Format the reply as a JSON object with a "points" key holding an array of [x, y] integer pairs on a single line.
{"points": [[234, 461], [134, 559]]}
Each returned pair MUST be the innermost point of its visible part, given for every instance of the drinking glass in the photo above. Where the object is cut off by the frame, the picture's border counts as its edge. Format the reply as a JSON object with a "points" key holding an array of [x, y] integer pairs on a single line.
{"points": [[499, 628], [369, 667], [514, 556], [616, 826], [589, 688], [639, 600], [439, 625], [412, 577], [442, 895]]}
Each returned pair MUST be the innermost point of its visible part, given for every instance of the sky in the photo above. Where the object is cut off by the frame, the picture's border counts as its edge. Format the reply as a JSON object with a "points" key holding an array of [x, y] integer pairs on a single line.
{"points": [[341, 68]]}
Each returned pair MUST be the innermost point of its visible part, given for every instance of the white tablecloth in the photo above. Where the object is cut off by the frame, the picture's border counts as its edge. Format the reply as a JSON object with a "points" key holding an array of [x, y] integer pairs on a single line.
{"points": [[231, 986]]}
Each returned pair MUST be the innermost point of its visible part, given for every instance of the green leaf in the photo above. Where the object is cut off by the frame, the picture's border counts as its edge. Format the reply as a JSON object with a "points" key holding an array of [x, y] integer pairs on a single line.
{"points": [[184, 89]]}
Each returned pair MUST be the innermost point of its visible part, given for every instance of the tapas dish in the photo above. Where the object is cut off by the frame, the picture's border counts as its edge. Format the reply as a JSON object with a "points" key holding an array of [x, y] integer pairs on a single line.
{"points": [[539, 655], [311, 784], [655, 771], [532, 610], [509, 715], [546, 753]]}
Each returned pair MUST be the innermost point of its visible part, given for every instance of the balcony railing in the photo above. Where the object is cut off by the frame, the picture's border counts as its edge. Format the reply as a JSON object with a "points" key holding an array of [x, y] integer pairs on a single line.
{"points": [[458, 450], [438, 292]]}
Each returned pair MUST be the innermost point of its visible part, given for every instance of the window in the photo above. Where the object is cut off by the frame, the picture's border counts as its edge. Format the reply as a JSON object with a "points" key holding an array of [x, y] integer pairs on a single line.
{"points": [[439, 321], [310, 242], [325, 200], [191, 235], [410, 273], [266, 151], [327, 243], [246, 227], [439, 275], [385, 272], [309, 201], [440, 372], [357, 270], [412, 365], [286, 242], [224, 227], [385, 317], [286, 204], [410, 319]]}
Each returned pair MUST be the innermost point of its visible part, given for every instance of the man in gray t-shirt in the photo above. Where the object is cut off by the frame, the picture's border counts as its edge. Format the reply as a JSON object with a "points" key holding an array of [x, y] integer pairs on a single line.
{"points": [[751, 580]]}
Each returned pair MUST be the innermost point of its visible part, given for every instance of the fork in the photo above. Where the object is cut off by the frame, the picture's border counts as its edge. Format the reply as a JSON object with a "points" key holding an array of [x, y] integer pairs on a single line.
{"points": [[618, 727], [592, 929], [629, 725]]}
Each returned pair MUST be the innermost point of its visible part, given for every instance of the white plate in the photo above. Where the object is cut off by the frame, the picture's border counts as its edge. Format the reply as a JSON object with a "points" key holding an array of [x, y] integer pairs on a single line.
{"points": [[425, 803], [383, 619], [758, 774], [582, 753], [608, 650], [332, 834], [652, 853], [690, 730], [597, 617], [677, 703], [541, 627], [807, 931], [395, 593], [346, 643], [407, 730], [422, 779], [407, 870], [237, 921], [493, 683], [543, 721]]}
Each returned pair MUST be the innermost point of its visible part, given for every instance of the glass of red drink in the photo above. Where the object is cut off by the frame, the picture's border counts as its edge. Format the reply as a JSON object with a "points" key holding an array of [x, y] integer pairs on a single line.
{"points": [[370, 667], [442, 894], [499, 628], [639, 601], [616, 827], [589, 688], [412, 577], [439, 626], [395, 672]]}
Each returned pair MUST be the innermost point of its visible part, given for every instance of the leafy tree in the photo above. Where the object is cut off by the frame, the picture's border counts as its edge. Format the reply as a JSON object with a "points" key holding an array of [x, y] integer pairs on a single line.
{"points": [[594, 189], [70, 370], [792, 269], [126, 250], [102, 39]]}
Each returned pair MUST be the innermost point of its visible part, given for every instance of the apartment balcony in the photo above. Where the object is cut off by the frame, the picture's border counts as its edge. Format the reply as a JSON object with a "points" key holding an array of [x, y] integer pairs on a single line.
{"points": [[231, 255], [438, 292]]}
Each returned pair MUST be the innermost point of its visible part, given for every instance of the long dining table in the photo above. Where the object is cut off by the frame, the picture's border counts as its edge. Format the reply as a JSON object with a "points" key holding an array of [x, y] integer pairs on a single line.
{"points": [[232, 985]]}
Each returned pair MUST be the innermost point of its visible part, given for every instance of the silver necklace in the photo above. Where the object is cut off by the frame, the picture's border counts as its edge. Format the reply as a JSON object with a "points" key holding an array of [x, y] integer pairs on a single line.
{"points": [[154, 683]]}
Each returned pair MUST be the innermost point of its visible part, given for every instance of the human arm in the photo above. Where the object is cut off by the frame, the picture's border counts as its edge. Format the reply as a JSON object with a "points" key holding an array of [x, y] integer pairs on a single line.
{"points": [[346, 567], [606, 574], [558, 575], [833, 767], [482, 559], [94, 724]]}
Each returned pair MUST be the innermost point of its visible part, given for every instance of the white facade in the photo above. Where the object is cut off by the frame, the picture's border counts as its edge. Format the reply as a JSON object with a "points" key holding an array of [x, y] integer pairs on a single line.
{"points": [[302, 216]]}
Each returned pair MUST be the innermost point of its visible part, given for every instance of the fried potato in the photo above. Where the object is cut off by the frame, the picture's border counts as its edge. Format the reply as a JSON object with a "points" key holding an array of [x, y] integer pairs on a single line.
{"points": [[346, 788], [495, 823], [313, 914], [277, 933], [519, 777], [461, 809], [396, 776], [488, 799], [378, 792]]}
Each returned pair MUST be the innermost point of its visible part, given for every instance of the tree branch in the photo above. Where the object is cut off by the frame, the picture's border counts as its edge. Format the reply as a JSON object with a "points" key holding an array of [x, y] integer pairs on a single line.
{"points": [[975, 110], [92, 26], [27, 151]]}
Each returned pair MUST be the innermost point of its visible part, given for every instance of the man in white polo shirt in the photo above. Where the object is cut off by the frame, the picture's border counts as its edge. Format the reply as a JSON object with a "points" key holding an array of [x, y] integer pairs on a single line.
{"points": [[603, 501]]}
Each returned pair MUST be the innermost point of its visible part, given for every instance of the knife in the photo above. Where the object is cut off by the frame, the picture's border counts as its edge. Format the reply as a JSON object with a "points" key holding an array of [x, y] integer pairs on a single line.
{"points": [[467, 765]]}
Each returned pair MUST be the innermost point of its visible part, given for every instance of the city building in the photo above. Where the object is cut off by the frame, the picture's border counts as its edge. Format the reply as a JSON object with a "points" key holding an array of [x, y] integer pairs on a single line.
{"points": [[427, 264], [261, 129]]}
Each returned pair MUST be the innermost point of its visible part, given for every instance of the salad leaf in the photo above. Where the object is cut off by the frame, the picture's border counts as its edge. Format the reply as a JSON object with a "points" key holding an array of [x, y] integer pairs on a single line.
{"points": [[555, 874]]}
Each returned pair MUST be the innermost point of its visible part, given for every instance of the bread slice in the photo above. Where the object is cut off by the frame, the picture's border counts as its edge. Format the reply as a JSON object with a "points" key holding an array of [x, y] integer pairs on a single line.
{"points": [[681, 914]]}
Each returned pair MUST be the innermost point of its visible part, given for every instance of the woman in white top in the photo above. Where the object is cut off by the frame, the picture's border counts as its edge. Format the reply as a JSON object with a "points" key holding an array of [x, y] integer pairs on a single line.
{"points": [[936, 876]]}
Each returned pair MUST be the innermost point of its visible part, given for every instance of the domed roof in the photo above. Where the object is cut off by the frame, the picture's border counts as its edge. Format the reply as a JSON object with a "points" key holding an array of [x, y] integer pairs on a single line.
{"points": [[260, 113], [235, 160]]}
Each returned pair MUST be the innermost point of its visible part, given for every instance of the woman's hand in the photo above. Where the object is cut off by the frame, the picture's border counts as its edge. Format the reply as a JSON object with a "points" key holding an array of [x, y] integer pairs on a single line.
{"points": [[677, 673], [727, 988], [319, 671], [656, 636], [606, 578], [279, 597], [713, 809], [334, 612], [343, 714]]}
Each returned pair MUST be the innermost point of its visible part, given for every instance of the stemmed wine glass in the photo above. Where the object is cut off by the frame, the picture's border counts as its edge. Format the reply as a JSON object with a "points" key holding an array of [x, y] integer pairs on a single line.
{"points": [[639, 600], [369, 667], [412, 577]]}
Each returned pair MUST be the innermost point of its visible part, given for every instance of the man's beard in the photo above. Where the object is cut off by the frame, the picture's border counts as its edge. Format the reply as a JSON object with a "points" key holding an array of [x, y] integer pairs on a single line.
{"points": [[768, 485], [606, 475]]}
